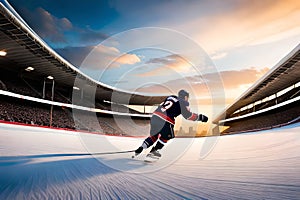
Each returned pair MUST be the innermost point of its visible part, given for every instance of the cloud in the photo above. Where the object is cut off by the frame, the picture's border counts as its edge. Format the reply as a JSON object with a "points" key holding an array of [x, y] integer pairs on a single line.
{"points": [[112, 56], [167, 60], [75, 55], [48, 26], [221, 26], [97, 57], [218, 55], [164, 65], [54, 29], [277, 21], [234, 82], [89, 36], [128, 59], [236, 78], [108, 50]]}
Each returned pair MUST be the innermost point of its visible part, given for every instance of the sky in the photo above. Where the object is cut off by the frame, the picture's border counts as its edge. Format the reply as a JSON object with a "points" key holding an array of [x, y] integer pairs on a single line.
{"points": [[190, 43]]}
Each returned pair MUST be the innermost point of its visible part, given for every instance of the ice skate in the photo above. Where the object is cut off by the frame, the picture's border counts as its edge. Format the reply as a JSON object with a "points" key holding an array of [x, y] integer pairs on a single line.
{"points": [[153, 156], [155, 153], [138, 151]]}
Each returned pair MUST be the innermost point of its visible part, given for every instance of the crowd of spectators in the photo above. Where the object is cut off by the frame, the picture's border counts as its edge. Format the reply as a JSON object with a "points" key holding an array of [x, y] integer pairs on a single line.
{"points": [[128, 125], [89, 121], [17, 110], [33, 113], [295, 92], [23, 111], [18, 87], [43, 90], [28, 87], [271, 119]]}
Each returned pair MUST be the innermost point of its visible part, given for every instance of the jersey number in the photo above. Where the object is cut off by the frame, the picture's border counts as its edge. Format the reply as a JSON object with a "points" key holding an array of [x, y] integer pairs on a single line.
{"points": [[166, 105]]}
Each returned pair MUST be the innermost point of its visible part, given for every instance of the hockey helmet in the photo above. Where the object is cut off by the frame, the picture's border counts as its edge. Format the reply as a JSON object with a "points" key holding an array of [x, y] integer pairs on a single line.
{"points": [[183, 93]]}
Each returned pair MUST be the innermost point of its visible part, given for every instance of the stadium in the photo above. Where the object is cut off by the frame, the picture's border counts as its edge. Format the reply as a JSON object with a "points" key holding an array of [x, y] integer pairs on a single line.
{"points": [[273, 101], [47, 138]]}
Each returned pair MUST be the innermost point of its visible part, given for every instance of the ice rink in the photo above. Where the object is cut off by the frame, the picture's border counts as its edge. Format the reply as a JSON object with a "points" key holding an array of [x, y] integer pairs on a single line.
{"points": [[39, 163]]}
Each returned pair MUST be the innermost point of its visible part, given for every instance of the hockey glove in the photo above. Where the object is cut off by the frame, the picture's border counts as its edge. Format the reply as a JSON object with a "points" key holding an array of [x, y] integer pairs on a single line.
{"points": [[202, 118]]}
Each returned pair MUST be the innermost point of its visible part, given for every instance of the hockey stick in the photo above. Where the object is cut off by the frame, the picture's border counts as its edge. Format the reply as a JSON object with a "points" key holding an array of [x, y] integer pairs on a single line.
{"points": [[115, 152], [66, 155], [98, 153], [87, 154]]}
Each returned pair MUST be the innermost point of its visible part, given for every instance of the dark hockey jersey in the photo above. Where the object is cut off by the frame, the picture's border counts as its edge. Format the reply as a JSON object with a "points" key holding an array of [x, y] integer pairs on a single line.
{"points": [[174, 106]]}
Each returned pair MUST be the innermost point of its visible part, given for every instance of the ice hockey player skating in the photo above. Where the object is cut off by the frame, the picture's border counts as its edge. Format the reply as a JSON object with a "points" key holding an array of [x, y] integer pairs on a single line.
{"points": [[163, 121]]}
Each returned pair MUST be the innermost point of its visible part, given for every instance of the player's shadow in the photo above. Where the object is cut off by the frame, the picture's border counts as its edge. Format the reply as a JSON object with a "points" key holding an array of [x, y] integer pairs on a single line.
{"points": [[13, 160], [49, 169]]}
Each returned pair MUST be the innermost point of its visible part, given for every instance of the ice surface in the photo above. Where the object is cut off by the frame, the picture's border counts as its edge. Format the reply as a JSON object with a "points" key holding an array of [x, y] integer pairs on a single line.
{"points": [[38, 163]]}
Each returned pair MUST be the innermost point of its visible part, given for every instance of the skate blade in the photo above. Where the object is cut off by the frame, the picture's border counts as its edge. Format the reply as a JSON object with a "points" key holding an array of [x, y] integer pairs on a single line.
{"points": [[151, 159]]}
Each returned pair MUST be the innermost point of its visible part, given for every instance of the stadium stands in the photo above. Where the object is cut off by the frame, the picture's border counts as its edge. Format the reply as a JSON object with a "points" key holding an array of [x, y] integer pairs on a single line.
{"points": [[271, 119], [28, 112], [272, 101], [23, 85], [128, 125], [33, 113], [11, 82], [22, 111], [293, 93]]}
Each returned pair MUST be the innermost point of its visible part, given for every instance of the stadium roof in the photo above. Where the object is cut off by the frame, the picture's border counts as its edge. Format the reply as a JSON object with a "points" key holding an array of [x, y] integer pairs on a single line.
{"points": [[284, 74], [25, 48]]}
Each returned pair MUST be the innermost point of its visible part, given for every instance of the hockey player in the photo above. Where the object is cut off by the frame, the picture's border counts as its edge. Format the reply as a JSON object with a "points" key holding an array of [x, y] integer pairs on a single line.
{"points": [[163, 121]]}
